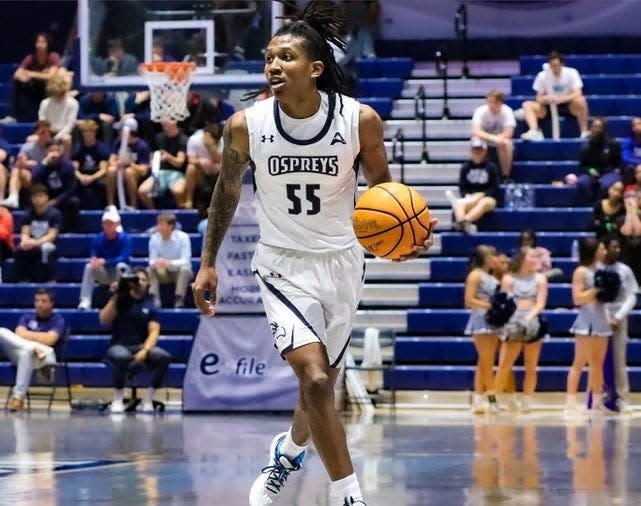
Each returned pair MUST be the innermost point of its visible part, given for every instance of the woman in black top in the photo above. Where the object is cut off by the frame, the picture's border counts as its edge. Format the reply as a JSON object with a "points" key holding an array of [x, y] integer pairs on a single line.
{"points": [[609, 213], [599, 163]]}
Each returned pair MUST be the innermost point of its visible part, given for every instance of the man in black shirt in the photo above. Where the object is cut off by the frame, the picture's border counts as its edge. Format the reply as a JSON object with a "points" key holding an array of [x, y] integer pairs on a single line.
{"points": [[479, 182], [90, 159], [135, 329], [172, 144], [35, 256]]}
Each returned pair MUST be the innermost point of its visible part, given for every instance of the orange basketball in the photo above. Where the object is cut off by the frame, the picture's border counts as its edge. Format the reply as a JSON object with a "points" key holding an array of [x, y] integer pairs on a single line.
{"points": [[389, 219]]}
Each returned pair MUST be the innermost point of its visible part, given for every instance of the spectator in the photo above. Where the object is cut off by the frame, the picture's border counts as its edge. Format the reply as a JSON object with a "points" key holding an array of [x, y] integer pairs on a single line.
{"points": [[203, 111], [110, 252], [609, 212], [172, 144], [138, 105], [134, 336], [6, 236], [38, 338], [631, 151], [133, 161], [618, 311], [543, 257], [479, 182], [30, 155], [600, 162], [31, 77], [5, 148], [560, 85], [591, 327], [61, 111], [118, 62], [35, 255], [204, 156], [494, 123], [169, 260], [631, 228], [90, 159], [56, 173], [363, 17], [102, 108]]}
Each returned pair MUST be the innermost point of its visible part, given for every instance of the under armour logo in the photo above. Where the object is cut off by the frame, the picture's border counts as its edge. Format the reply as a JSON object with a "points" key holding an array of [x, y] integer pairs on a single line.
{"points": [[337, 138], [263, 138]]}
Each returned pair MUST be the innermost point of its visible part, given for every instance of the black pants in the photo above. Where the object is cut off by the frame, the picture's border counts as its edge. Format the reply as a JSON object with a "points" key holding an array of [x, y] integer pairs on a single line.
{"points": [[30, 267], [122, 360], [70, 209], [26, 99]]}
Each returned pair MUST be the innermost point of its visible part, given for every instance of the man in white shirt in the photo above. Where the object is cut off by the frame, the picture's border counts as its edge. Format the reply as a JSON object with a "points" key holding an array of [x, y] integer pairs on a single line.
{"points": [[494, 123], [560, 85], [169, 259]]}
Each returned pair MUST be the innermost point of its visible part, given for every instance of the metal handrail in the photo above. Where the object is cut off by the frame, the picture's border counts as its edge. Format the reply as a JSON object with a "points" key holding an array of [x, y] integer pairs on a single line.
{"points": [[420, 113], [399, 141]]}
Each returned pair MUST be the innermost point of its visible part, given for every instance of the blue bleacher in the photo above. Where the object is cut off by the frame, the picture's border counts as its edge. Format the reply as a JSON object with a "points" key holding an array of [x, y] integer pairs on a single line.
{"points": [[541, 171], [16, 133], [456, 268], [457, 244], [600, 105], [592, 85], [385, 67], [75, 245], [587, 64], [380, 87]]}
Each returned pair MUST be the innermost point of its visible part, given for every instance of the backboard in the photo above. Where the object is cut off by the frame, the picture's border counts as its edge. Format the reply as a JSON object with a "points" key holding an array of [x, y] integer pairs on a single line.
{"points": [[116, 36]]}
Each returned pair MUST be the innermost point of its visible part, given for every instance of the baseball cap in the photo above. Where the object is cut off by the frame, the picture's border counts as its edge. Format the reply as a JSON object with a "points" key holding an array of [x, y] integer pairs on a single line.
{"points": [[127, 122], [477, 142], [111, 214]]}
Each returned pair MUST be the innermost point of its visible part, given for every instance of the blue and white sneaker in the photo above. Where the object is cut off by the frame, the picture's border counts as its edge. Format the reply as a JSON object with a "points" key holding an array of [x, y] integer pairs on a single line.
{"points": [[268, 485]]}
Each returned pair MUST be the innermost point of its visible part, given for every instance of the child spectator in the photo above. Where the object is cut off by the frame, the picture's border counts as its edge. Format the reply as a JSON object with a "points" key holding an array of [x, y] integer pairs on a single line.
{"points": [[90, 160], [31, 77], [35, 255]]}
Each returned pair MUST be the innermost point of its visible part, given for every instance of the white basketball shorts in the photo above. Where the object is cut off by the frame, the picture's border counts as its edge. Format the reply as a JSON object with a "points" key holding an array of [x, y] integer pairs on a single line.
{"points": [[310, 297]]}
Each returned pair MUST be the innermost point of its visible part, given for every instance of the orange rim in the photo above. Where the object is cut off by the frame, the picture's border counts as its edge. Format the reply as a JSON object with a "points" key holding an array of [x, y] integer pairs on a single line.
{"points": [[176, 71]]}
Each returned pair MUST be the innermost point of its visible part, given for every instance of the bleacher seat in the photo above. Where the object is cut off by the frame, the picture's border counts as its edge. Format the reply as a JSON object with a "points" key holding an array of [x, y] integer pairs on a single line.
{"points": [[540, 219], [592, 85], [600, 105], [587, 64], [385, 67], [541, 171], [456, 268], [16, 133], [380, 87], [79, 245]]}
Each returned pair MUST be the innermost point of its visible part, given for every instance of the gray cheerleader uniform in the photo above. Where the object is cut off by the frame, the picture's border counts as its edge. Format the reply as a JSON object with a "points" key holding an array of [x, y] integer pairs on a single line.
{"points": [[477, 324], [523, 288], [592, 319]]}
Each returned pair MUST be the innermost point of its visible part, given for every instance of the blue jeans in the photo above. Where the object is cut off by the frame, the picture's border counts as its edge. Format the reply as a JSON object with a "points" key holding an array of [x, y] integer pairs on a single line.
{"points": [[591, 190]]}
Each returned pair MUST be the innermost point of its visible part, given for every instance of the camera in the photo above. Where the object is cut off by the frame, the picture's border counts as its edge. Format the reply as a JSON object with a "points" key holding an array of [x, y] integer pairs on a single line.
{"points": [[127, 282]]}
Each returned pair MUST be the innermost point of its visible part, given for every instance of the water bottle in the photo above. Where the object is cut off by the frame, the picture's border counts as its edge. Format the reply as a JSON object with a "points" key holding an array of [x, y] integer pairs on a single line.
{"points": [[509, 197], [574, 251]]}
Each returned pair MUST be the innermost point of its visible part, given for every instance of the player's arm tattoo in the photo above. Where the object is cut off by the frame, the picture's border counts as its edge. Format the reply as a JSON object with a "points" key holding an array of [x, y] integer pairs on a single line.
{"points": [[224, 199]]}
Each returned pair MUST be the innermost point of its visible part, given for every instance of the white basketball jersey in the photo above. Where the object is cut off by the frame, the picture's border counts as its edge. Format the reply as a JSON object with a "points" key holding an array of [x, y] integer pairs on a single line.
{"points": [[305, 177]]}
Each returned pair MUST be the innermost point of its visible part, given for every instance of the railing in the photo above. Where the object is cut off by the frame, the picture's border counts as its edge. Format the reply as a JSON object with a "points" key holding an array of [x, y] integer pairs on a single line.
{"points": [[440, 59], [420, 113], [460, 28], [398, 143]]}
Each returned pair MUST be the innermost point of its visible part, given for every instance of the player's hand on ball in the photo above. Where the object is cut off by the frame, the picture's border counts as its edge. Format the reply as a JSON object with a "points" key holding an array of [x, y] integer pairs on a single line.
{"points": [[206, 281], [423, 248]]}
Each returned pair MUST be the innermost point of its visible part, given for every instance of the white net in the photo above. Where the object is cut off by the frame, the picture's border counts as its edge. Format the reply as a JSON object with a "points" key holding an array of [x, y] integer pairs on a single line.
{"points": [[168, 86]]}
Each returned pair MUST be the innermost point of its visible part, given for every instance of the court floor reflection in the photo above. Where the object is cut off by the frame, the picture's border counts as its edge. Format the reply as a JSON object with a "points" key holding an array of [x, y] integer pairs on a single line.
{"points": [[418, 459]]}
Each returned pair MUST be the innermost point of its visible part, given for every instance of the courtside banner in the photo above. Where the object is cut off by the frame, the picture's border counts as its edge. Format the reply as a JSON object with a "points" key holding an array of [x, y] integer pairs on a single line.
{"points": [[238, 290], [234, 367]]}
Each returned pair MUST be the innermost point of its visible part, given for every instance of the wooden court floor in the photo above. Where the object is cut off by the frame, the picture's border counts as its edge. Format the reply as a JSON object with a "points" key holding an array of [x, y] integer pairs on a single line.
{"points": [[427, 457]]}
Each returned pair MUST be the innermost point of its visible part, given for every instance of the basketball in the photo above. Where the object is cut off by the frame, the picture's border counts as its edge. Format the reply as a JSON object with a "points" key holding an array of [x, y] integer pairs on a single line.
{"points": [[389, 219]]}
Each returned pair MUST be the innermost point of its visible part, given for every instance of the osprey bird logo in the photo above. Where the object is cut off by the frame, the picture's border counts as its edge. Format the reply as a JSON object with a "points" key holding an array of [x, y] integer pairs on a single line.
{"points": [[277, 331]]}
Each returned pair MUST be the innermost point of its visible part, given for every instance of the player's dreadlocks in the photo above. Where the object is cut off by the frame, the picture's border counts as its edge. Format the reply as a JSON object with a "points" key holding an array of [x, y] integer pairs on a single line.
{"points": [[318, 24]]}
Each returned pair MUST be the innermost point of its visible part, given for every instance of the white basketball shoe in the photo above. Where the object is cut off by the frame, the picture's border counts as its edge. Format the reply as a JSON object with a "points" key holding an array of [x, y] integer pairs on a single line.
{"points": [[268, 485]]}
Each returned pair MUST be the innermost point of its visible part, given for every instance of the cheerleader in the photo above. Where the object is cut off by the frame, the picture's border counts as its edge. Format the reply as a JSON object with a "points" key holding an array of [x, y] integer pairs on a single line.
{"points": [[525, 330], [479, 287], [591, 327]]}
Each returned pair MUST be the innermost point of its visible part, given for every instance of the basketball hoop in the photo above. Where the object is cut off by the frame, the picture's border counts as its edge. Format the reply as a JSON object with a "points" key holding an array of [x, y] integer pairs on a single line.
{"points": [[168, 85]]}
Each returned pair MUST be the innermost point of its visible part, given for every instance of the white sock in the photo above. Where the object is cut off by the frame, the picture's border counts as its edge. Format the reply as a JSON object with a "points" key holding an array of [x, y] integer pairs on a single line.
{"points": [[149, 396], [345, 487], [289, 448], [119, 393], [477, 399], [570, 400], [596, 401]]}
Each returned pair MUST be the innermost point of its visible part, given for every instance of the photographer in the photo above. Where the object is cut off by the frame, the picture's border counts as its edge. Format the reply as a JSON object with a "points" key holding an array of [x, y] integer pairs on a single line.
{"points": [[135, 330]]}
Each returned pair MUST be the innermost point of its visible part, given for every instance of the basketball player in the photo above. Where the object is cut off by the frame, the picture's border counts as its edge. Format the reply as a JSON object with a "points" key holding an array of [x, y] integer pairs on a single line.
{"points": [[304, 141]]}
